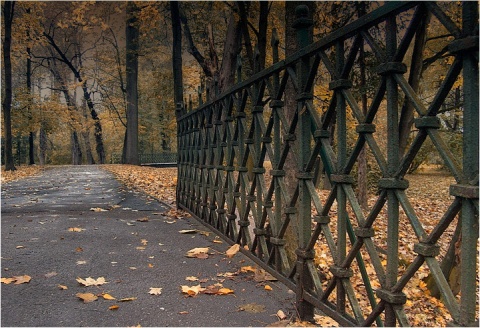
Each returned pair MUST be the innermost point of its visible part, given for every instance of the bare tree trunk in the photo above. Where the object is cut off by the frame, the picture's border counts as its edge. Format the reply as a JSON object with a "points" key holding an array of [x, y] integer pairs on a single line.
{"points": [[76, 149], [8, 10], [132, 34], [42, 145], [177, 59]]}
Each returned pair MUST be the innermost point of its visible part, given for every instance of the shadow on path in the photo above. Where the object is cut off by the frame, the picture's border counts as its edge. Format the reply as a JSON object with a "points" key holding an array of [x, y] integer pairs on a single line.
{"points": [[133, 256]]}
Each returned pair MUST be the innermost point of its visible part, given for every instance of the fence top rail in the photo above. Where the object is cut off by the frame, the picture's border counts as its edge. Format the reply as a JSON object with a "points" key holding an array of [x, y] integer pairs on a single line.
{"points": [[365, 22]]}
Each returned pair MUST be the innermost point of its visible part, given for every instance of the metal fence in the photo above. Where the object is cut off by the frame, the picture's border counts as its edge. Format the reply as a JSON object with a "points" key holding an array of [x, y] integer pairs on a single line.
{"points": [[216, 141]]}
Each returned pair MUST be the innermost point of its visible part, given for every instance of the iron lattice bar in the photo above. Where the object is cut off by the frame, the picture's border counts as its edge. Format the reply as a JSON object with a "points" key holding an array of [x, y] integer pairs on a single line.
{"points": [[225, 145]]}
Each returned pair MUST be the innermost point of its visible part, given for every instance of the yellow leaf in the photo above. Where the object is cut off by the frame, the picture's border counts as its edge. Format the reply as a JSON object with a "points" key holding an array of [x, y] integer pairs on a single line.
{"points": [[188, 231], [155, 291], [150, 265], [267, 287], [233, 250], [21, 279], [7, 281], [108, 297], [63, 287], [144, 242], [193, 290], [87, 297], [281, 315], [92, 282], [76, 229], [225, 291], [128, 299], [191, 278], [198, 252], [248, 268], [218, 241], [113, 307]]}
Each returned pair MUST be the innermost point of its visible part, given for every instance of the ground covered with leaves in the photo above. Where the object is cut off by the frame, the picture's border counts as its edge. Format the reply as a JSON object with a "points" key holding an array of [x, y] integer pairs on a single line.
{"points": [[20, 172], [428, 194]]}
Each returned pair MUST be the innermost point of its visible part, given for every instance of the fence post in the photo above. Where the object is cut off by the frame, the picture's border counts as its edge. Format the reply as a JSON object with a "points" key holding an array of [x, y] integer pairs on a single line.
{"points": [[469, 217], [303, 24]]}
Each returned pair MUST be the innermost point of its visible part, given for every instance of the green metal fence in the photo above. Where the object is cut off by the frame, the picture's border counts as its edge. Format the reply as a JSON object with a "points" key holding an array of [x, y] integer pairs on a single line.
{"points": [[216, 140]]}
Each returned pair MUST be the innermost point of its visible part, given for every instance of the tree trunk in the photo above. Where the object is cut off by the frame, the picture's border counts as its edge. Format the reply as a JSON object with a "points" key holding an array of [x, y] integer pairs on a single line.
{"points": [[177, 59], [8, 10], [132, 34], [76, 149], [42, 145]]}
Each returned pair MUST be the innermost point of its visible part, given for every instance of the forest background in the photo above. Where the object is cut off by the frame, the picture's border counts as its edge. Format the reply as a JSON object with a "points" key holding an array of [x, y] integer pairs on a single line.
{"points": [[69, 80]]}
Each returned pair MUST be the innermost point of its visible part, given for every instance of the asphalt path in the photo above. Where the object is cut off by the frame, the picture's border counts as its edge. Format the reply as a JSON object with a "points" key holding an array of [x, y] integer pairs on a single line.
{"points": [[78, 221]]}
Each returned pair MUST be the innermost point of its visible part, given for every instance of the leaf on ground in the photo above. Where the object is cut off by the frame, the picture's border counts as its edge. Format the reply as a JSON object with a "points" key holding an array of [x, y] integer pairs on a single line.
{"points": [[325, 321], [87, 297], [127, 299], [78, 249], [216, 241], [62, 287], [183, 312], [19, 246], [281, 315], [188, 231], [199, 252], [233, 250], [261, 276], [144, 242], [108, 297], [75, 229], [8, 281], [252, 308], [205, 233], [227, 274], [113, 307], [98, 209], [267, 287], [191, 278], [81, 262], [50, 274], [143, 219], [192, 290], [92, 282], [155, 291], [21, 279], [248, 268]]}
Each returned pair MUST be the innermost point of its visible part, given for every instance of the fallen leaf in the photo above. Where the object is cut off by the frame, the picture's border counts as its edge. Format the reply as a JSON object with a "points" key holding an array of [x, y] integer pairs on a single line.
{"points": [[252, 308], [92, 282], [19, 246], [281, 315], [76, 229], [98, 209], [128, 299], [21, 279], [140, 248], [233, 250], [150, 265], [205, 233], [143, 219], [191, 278], [248, 268], [188, 231], [81, 262], [225, 291], [78, 249], [62, 287], [193, 290], [199, 252], [183, 312], [113, 307], [50, 274], [7, 281], [267, 287], [155, 291], [216, 241], [87, 297], [108, 297]]}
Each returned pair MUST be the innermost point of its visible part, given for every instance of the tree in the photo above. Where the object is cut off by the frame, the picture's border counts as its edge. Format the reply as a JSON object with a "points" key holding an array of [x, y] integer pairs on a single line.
{"points": [[8, 12], [177, 58], [131, 133]]}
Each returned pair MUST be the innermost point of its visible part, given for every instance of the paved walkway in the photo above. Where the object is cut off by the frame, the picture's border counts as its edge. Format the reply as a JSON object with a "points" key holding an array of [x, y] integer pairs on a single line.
{"points": [[50, 233]]}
